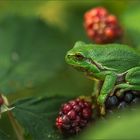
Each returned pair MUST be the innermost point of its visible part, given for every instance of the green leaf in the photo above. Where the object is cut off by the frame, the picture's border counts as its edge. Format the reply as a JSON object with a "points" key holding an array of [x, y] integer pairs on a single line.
{"points": [[6, 128], [131, 20], [33, 55], [4, 136], [122, 125], [30, 54], [18, 7], [37, 116]]}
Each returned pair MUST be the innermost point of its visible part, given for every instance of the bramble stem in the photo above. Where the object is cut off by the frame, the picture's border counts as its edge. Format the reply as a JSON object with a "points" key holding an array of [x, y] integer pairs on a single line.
{"points": [[17, 128]]}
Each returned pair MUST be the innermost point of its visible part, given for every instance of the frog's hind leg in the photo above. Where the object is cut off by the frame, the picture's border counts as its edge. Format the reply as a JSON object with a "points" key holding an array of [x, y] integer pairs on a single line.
{"points": [[132, 80], [96, 88], [133, 76], [126, 87]]}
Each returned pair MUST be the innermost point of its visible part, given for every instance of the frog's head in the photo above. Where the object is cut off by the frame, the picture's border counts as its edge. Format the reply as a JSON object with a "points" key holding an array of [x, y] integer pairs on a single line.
{"points": [[79, 58]]}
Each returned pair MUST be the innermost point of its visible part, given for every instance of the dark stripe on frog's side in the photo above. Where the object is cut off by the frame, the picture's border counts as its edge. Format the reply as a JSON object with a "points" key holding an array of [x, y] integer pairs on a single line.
{"points": [[118, 57]]}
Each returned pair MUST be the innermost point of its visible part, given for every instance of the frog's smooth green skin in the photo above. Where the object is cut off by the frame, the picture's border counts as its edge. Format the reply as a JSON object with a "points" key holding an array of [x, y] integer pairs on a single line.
{"points": [[117, 66]]}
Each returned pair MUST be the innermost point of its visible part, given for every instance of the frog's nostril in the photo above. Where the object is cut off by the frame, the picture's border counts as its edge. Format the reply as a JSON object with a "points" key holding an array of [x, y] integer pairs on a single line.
{"points": [[68, 56]]}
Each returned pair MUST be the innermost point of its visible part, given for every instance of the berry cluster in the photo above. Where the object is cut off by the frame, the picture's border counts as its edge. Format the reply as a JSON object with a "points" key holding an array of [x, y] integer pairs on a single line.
{"points": [[101, 26], [121, 102], [74, 116]]}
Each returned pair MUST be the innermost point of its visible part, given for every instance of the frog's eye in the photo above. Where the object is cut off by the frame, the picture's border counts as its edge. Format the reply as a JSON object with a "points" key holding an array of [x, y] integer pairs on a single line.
{"points": [[79, 57]]}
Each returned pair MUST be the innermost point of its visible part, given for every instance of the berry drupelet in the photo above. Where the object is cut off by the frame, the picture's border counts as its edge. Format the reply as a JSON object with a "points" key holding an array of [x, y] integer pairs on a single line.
{"points": [[101, 26], [74, 116]]}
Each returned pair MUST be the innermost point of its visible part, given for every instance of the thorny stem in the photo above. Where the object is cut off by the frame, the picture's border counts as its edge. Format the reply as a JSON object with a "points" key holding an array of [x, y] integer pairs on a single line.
{"points": [[17, 128]]}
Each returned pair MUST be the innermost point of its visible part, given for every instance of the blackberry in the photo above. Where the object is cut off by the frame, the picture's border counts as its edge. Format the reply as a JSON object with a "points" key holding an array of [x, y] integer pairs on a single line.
{"points": [[122, 105], [136, 93], [112, 101], [101, 26], [74, 116], [136, 100], [128, 97]]}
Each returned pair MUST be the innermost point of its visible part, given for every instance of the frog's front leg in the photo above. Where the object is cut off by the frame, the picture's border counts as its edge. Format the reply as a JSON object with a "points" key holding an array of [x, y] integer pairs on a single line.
{"points": [[96, 88], [108, 85]]}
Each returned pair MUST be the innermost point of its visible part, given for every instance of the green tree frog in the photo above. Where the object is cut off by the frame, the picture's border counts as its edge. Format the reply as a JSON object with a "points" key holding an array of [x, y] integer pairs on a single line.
{"points": [[116, 65]]}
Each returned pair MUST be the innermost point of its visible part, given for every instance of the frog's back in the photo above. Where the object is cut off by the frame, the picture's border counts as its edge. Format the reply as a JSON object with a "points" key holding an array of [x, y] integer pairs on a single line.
{"points": [[115, 56]]}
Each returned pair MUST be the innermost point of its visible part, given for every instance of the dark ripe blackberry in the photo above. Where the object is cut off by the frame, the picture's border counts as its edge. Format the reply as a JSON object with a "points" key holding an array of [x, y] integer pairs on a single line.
{"points": [[128, 97], [136, 93], [122, 105], [136, 100], [111, 101], [110, 111], [74, 116], [101, 26]]}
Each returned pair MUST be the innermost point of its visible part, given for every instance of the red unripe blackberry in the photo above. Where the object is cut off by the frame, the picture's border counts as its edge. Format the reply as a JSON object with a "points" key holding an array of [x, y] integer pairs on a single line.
{"points": [[74, 116], [101, 26], [1, 101]]}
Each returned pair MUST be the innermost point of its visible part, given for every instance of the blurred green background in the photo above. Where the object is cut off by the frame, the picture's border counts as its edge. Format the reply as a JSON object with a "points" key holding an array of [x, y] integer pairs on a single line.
{"points": [[34, 38]]}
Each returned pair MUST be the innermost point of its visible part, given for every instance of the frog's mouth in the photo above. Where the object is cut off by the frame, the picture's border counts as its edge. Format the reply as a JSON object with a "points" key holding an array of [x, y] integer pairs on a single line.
{"points": [[87, 72], [80, 69]]}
